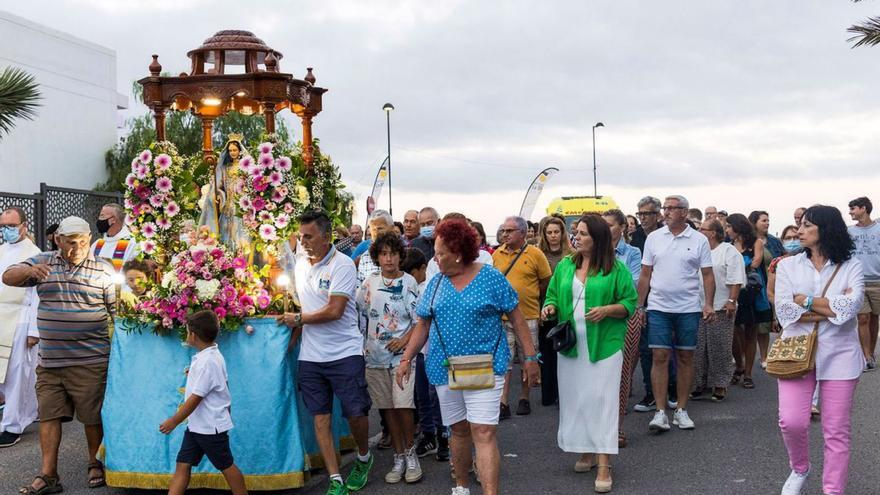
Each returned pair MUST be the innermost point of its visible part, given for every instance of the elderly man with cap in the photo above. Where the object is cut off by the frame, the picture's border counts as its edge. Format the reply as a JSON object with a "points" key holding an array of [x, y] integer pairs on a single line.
{"points": [[77, 296], [18, 332], [117, 245]]}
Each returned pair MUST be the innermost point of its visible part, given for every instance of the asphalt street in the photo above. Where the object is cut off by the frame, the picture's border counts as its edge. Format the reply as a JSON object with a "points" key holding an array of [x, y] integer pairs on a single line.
{"points": [[736, 448]]}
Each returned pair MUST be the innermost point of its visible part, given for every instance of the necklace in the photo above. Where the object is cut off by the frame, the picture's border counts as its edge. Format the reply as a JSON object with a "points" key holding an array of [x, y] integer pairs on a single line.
{"points": [[391, 281]]}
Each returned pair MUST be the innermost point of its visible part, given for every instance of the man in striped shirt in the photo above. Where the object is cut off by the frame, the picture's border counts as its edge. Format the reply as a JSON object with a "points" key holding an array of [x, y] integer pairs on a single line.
{"points": [[76, 300]]}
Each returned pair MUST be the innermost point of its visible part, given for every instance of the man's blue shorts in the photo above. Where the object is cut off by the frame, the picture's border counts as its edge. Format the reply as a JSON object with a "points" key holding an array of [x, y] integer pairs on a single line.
{"points": [[673, 330], [344, 377]]}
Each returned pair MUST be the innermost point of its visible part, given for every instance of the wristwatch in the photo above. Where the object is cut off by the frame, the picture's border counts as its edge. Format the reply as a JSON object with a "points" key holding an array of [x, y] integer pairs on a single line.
{"points": [[297, 320], [731, 301]]}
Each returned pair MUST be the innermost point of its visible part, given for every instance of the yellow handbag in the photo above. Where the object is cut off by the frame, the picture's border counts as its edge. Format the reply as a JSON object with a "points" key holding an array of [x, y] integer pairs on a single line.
{"points": [[794, 357]]}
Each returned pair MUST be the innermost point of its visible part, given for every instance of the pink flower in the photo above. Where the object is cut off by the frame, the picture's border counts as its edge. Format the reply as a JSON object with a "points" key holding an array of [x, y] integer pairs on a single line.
{"points": [[129, 220], [259, 204], [271, 206], [255, 171], [281, 221], [277, 196], [172, 209], [143, 192], [265, 217], [245, 203], [284, 164], [146, 156], [275, 178], [220, 312], [260, 184], [265, 148], [163, 161], [239, 263], [246, 300], [246, 163], [288, 208], [164, 223], [141, 171], [163, 184], [156, 200], [148, 247], [267, 232], [266, 161], [263, 300], [134, 163], [130, 180], [146, 209], [149, 230]]}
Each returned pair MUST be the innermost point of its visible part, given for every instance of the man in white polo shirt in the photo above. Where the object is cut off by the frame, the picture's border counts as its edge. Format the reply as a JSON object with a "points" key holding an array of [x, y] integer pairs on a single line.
{"points": [[331, 359], [675, 257]]}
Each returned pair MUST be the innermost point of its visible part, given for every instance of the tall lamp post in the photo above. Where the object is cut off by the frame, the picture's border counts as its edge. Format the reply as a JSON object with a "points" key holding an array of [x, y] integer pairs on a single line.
{"points": [[388, 107], [595, 187]]}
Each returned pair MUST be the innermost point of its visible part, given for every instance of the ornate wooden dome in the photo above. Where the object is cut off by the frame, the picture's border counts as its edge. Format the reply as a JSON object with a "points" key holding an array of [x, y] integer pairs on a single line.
{"points": [[233, 47]]}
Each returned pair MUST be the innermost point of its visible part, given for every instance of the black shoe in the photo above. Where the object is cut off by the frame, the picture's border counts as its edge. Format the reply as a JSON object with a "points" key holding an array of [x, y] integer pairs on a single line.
{"points": [[384, 442], [524, 408], [8, 439], [442, 449], [698, 394], [647, 404], [427, 445], [505, 412]]}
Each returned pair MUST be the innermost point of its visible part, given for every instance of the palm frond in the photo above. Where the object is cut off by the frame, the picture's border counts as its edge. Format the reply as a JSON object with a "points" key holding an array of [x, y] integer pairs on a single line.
{"points": [[866, 33], [19, 96]]}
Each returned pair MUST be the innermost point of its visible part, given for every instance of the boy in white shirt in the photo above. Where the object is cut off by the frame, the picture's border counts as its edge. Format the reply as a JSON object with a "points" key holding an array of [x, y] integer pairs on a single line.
{"points": [[207, 406]]}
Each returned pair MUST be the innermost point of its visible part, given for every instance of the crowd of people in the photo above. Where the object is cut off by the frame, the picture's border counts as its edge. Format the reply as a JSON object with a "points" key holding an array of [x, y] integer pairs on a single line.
{"points": [[425, 319]]}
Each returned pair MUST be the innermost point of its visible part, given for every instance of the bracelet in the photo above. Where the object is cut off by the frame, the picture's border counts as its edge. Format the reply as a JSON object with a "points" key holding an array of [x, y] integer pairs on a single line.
{"points": [[808, 304], [405, 360], [536, 358]]}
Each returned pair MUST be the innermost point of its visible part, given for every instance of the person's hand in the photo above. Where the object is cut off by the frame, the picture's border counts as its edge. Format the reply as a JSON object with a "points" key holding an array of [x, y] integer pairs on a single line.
{"points": [[292, 320], [548, 312], [730, 309], [597, 314], [641, 317], [533, 373], [799, 299], [32, 341], [168, 425], [396, 345], [402, 374], [708, 313], [39, 272]]}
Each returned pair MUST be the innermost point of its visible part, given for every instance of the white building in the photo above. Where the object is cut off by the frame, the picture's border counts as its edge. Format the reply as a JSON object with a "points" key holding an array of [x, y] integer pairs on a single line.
{"points": [[77, 118]]}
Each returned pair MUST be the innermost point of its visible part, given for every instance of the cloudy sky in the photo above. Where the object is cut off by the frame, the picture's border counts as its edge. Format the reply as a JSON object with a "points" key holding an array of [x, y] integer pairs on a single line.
{"points": [[744, 105]]}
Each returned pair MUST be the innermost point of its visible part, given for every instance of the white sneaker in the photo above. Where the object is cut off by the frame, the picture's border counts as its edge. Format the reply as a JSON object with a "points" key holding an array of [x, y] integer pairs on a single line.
{"points": [[794, 483], [413, 468], [460, 490], [672, 404], [660, 422], [396, 473], [681, 419]]}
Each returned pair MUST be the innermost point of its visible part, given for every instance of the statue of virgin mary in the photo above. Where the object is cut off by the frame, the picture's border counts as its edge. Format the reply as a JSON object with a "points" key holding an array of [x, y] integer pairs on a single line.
{"points": [[218, 200]]}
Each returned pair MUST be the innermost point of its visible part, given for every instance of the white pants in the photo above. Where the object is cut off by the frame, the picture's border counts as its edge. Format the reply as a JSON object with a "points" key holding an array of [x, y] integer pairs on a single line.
{"points": [[482, 407], [20, 385]]}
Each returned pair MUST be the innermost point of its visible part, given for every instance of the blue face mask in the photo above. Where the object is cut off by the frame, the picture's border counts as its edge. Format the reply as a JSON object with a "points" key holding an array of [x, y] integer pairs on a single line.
{"points": [[791, 246], [427, 231], [11, 235]]}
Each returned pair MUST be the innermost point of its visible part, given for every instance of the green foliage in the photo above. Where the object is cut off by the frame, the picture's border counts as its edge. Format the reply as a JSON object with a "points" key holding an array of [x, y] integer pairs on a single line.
{"points": [[19, 96]]}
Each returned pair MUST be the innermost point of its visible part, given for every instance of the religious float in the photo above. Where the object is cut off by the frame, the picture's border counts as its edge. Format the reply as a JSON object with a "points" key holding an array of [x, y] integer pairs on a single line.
{"points": [[217, 228]]}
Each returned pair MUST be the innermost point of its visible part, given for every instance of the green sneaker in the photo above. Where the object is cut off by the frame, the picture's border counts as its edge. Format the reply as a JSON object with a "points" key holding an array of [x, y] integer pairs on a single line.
{"points": [[357, 479], [337, 488]]}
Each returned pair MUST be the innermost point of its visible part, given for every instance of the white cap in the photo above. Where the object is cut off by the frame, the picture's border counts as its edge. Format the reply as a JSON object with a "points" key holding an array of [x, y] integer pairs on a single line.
{"points": [[74, 226]]}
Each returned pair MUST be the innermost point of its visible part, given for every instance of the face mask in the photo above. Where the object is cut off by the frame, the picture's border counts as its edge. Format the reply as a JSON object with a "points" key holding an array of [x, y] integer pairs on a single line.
{"points": [[103, 225], [11, 235], [427, 231], [792, 246]]}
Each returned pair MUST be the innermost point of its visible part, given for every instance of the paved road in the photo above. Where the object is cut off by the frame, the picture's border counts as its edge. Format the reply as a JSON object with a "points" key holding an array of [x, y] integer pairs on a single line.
{"points": [[735, 449]]}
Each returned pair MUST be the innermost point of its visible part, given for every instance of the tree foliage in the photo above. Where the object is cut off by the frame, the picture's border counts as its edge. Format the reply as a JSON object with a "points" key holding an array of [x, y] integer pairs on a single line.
{"points": [[866, 33], [19, 98]]}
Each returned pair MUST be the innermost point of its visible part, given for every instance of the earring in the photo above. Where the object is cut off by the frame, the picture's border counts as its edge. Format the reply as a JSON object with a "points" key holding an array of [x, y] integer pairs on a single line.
{"points": [[458, 260]]}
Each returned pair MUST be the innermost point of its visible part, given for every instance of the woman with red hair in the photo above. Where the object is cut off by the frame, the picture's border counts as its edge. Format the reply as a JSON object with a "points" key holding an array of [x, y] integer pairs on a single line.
{"points": [[460, 311]]}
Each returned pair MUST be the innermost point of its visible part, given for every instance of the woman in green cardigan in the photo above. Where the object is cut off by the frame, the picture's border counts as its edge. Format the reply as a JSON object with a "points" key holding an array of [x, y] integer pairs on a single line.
{"points": [[595, 293]]}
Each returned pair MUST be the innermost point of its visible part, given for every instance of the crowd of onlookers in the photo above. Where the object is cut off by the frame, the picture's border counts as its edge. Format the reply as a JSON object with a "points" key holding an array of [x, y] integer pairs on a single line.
{"points": [[425, 320]]}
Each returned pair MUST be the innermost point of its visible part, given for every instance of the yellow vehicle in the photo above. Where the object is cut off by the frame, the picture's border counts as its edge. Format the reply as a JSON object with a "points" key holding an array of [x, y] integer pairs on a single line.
{"points": [[572, 207]]}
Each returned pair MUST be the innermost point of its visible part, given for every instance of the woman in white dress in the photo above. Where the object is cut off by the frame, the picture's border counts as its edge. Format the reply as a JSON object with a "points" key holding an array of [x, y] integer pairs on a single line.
{"points": [[593, 292]]}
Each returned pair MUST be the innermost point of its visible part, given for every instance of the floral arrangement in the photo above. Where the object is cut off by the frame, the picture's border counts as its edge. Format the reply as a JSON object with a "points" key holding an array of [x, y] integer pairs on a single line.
{"points": [[204, 276], [160, 196], [269, 197]]}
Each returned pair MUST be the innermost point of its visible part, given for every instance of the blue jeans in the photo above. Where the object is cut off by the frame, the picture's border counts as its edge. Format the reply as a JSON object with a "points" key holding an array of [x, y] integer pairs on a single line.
{"points": [[430, 420]]}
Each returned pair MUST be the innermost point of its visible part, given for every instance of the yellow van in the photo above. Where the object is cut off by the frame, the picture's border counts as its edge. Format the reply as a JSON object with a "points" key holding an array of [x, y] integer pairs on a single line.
{"points": [[572, 207]]}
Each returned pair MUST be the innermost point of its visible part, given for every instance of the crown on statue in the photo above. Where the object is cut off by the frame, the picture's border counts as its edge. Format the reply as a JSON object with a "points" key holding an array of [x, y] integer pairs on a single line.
{"points": [[236, 137]]}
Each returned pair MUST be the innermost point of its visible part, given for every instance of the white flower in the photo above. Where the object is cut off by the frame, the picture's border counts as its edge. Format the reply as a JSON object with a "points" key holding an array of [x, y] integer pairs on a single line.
{"points": [[169, 279], [207, 289]]}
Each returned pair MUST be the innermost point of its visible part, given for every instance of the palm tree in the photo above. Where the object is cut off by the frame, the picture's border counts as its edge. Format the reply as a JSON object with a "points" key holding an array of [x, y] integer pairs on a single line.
{"points": [[19, 94], [866, 33]]}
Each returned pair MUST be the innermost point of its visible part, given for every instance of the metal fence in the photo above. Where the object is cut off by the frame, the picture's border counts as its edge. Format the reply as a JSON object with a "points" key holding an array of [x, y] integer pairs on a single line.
{"points": [[52, 204]]}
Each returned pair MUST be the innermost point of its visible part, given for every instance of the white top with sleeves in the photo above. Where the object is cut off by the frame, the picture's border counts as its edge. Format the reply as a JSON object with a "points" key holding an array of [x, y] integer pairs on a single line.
{"points": [[839, 355]]}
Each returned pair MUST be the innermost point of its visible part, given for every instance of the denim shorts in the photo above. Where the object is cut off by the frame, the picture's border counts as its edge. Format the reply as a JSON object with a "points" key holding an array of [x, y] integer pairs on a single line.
{"points": [[344, 377], [673, 330]]}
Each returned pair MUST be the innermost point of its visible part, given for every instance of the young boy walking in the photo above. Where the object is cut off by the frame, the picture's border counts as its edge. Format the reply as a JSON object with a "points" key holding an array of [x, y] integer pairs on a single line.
{"points": [[207, 407]]}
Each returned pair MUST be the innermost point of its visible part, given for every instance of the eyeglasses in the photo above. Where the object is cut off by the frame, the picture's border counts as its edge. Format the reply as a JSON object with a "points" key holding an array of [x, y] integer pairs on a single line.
{"points": [[508, 231], [668, 208], [646, 213], [12, 226]]}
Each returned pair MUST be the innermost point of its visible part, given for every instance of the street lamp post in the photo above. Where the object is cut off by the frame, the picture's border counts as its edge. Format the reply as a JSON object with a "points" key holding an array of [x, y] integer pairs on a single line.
{"points": [[388, 107], [595, 187]]}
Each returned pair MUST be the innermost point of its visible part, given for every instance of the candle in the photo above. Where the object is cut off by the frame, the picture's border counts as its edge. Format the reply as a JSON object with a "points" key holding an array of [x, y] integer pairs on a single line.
{"points": [[283, 281], [118, 279]]}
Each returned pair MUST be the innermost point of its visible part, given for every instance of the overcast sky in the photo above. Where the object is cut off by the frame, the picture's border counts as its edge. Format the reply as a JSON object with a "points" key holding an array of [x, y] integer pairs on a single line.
{"points": [[744, 105]]}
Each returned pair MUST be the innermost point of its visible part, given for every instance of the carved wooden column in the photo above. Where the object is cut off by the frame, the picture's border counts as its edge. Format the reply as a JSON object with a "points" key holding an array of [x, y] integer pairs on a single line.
{"points": [[269, 115], [307, 142], [159, 117], [207, 140]]}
